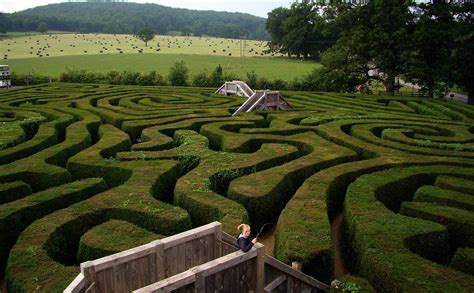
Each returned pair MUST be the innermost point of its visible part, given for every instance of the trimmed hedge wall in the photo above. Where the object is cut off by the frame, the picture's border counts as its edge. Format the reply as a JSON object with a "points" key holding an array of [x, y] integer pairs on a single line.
{"points": [[445, 197], [463, 260], [455, 184], [167, 159], [111, 237], [13, 191], [382, 243]]}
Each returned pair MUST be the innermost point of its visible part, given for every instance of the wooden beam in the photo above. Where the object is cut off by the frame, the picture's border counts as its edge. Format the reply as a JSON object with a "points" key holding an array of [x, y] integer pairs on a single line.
{"points": [[274, 284], [294, 273], [77, 285], [260, 267], [189, 235]]}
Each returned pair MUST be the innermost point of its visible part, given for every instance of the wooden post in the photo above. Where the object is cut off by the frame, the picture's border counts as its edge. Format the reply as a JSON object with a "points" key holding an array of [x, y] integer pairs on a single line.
{"points": [[297, 266], [200, 282], [88, 270], [160, 261], [218, 241], [260, 270]]}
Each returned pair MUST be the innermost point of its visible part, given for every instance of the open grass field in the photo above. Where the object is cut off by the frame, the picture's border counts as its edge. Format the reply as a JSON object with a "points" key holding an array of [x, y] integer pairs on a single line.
{"points": [[52, 54], [87, 170]]}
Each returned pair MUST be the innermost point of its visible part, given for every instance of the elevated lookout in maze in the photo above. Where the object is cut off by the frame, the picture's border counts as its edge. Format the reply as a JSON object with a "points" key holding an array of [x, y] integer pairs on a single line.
{"points": [[260, 100], [204, 259]]}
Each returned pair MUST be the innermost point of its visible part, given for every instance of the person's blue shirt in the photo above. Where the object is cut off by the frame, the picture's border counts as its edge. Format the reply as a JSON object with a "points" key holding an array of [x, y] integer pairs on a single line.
{"points": [[244, 243]]}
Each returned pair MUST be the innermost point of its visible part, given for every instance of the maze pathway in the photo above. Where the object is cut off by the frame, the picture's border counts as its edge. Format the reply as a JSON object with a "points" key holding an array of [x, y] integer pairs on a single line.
{"points": [[88, 170]]}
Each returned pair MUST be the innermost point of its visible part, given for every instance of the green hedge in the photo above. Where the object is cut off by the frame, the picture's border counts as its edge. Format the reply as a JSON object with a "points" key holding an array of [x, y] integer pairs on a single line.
{"points": [[48, 134], [386, 247], [54, 239], [111, 237], [456, 184], [425, 110], [446, 197], [13, 191], [460, 223], [17, 215], [463, 260]]}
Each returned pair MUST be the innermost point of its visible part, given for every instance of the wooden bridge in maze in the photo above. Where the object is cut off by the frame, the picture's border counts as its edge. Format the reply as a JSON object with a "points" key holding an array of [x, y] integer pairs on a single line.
{"points": [[203, 259], [89, 171], [260, 100]]}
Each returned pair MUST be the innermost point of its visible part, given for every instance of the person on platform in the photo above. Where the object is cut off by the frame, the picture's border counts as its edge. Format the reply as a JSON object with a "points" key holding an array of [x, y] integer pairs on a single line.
{"points": [[243, 241]]}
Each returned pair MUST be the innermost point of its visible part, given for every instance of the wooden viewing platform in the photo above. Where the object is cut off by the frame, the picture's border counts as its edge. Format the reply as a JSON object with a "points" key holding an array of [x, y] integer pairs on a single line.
{"points": [[256, 100], [204, 259]]}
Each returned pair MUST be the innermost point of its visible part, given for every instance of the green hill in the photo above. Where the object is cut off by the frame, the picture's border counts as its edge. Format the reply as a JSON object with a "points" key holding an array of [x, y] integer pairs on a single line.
{"points": [[128, 18]]}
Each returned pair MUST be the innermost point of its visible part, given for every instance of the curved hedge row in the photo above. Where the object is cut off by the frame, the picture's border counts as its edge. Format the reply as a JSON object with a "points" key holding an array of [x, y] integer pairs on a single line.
{"points": [[378, 187]]}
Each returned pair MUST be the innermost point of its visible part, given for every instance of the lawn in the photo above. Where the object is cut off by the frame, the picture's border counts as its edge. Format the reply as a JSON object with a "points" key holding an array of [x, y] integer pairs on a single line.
{"points": [[52, 54], [271, 68]]}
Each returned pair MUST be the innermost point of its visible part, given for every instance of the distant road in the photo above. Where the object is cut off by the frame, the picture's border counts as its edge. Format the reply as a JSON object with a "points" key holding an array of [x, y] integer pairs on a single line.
{"points": [[451, 95]]}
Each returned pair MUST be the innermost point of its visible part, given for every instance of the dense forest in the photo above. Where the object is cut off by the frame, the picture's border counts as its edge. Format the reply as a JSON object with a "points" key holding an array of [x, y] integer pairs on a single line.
{"points": [[131, 17]]}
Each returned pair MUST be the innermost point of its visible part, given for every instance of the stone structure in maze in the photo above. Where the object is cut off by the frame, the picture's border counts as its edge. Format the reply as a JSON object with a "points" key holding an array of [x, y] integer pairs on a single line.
{"points": [[89, 170]]}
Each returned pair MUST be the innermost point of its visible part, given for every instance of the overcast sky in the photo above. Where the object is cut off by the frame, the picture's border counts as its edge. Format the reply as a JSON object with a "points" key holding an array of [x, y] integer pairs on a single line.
{"points": [[255, 7]]}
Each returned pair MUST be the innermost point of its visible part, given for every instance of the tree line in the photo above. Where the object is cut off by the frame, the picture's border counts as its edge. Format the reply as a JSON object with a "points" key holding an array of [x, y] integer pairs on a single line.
{"points": [[128, 18], [429, 44]]}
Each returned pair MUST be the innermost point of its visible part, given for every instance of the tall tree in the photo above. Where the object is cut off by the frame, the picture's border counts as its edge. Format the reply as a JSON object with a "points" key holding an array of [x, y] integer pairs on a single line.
{"points": [[145, 35], [276, 29], [429, 61], [463, 58], [375, 39]]}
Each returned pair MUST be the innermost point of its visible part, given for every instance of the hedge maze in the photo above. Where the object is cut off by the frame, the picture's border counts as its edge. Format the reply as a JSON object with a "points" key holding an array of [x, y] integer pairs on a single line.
{"points": [[89, 170]]}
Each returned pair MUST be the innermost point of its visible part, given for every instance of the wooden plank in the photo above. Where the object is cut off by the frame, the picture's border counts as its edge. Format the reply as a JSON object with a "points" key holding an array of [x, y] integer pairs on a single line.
{"points": [[189, 235], [160, 262], [226, 262], [294, 273], [251, 275], [172, 283], [189, 257], [289, 284], [228, 239], [120, 283], [181, 258], [132, 277], [143, 272], [199, 283], [210, 283], [218, 281], [88, 270], [217, 241], [124, 256], [226, 283], [260, 267], [77, 285], [234, 279], [275, 284], [152, 268], [171, 262]]}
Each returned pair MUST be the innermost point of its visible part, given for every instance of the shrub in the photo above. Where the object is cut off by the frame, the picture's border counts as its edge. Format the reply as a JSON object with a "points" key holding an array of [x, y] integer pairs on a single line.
{"points": [[178, 75], [252, 79], [201, 80], [463, 260], [28, 79], [217, 77]]}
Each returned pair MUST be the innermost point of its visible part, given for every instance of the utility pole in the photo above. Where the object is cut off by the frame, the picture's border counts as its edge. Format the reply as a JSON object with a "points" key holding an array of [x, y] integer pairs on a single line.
{"points": [[242, 50]]}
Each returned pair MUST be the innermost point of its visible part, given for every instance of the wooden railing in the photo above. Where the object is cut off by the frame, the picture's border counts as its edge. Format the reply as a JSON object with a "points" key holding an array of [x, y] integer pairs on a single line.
{"points": [[138, 267], [280, 277], [236, 272], [204, 259]]}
